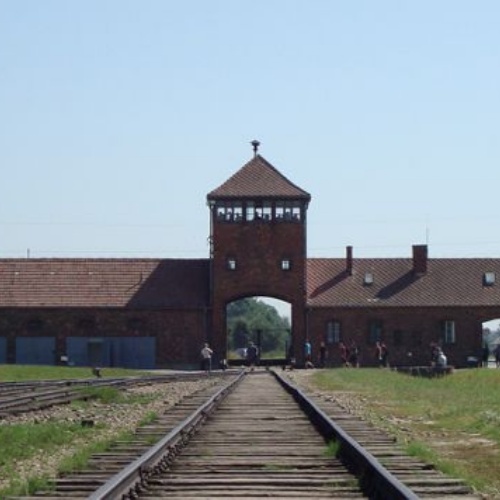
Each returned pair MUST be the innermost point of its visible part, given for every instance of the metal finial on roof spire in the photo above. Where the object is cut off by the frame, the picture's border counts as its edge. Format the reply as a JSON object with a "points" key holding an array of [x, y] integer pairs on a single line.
{"points": [[255, 145]]}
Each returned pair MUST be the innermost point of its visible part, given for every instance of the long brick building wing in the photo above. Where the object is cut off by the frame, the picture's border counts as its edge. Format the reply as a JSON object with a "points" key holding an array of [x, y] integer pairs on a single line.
{"points": [[145, 313]]}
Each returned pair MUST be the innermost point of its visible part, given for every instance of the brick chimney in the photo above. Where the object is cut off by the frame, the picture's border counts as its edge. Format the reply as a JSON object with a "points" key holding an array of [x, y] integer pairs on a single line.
{"points": [[419, 259], [348, 260]]}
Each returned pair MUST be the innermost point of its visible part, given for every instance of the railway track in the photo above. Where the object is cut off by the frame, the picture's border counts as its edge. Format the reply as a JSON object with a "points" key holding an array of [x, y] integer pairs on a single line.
{"points": [[253, 438], [24, 397]]}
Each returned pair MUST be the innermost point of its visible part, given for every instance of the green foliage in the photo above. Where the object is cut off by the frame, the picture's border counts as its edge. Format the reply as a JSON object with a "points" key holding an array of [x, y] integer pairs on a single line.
{"points": [[247, 316]]}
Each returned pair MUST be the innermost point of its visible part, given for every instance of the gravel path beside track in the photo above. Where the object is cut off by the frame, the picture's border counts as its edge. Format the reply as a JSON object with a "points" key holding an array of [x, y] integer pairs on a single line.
{"points": [[115, 419]]}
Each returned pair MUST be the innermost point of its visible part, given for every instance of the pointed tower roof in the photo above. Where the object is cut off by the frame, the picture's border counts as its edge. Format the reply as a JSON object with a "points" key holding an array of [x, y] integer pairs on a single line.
{"points": [[258, 179]]}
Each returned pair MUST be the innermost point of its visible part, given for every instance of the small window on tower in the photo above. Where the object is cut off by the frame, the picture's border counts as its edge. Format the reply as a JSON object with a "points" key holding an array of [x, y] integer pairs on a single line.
{"points": [[231, 264], [286, 264]]}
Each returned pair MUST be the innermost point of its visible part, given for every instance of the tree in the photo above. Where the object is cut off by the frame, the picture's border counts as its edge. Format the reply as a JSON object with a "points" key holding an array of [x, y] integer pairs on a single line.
{"points": [[247, 316]]}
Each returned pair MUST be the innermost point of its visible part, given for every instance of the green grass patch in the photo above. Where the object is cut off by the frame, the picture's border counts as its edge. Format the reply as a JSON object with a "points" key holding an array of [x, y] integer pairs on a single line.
{"points": [[27, 488], [455, 418], [21, 441], [149, 418], [41, 438], [111, 395], [16, 373], [80, 459], [332, 449]]}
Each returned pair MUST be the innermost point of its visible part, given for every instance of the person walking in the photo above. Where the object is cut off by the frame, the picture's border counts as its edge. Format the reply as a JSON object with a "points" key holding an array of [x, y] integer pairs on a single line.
{"points": [[496, 352], [385, 355], [378, 353], [486, 355], [252, 355], [206, 358], [354, 355], [308, 354], [322, 355], [344, 354]]}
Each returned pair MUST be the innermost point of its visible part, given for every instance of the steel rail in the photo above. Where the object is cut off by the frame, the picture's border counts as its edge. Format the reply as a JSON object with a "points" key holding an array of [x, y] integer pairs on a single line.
{"points": [[131, 477], [376, 480], [44, 392]]}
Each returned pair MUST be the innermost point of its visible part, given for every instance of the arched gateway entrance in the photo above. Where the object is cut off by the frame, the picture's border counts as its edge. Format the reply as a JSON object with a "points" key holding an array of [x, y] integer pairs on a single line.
{"points": [[262, 321], [258, 246]]}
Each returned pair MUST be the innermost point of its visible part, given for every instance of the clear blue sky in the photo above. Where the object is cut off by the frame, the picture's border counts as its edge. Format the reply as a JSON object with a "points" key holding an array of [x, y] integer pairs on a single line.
{"points": [[118, 117]]}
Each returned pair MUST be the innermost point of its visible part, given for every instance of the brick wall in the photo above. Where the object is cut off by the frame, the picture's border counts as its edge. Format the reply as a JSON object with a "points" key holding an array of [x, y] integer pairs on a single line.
{"points": [[258, 249], [179, 333], [404, 330]]}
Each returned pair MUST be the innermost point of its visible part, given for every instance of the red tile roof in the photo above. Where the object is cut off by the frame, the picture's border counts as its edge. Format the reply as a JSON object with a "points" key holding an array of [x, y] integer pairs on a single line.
{"points": [[134, 283], [184, 283], [447, 282], [258, 179]]}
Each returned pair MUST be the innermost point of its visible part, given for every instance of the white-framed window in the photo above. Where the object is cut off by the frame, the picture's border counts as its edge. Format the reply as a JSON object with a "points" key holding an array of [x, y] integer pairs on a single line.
{"points": [[449, 336], [286, 264], [333, 332], [489, 278], [267, 210], [231, 264], [250, 211]]}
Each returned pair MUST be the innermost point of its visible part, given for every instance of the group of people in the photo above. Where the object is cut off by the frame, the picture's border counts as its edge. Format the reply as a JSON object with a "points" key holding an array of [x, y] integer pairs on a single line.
{"points": [[439, 360], [349, 354], [381, 354], [206, 354]]}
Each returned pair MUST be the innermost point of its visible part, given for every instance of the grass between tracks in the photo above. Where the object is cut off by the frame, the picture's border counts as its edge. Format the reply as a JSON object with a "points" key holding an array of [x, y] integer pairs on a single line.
{"points": [[451, 421]]}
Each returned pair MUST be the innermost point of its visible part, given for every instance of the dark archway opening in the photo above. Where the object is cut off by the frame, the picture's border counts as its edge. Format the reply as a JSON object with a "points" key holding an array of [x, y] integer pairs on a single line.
{"points": [[262, 321]]}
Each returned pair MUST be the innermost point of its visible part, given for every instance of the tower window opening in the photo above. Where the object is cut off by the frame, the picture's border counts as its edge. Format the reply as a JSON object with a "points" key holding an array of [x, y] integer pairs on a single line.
{"points": [[286, 264], [288, 210], [267, 211], [250, 211]]}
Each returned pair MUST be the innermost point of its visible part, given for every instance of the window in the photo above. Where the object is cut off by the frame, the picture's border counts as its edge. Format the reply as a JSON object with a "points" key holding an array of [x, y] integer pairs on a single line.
{"points": [[489, 279], [237, 211], [279, 211], [296, 212], [267, 210], [286, 264], [231, 264], [250, 211], [333, 332], [288, 211], [375, 331], [448, 332], [368, 279], [229, 211]]}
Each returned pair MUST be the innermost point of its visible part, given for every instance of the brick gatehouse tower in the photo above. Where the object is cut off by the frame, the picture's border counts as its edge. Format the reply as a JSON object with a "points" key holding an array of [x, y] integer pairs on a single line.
{"points": [[258, 245]]}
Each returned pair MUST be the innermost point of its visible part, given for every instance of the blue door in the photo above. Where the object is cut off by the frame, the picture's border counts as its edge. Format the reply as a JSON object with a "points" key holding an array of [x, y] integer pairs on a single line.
{"points": [[3, 350], [36, 351]]}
